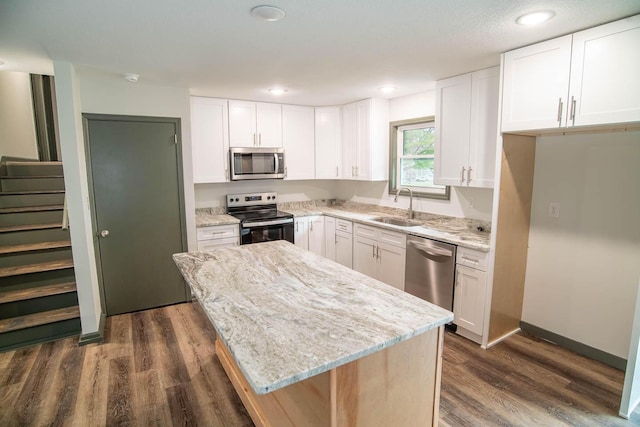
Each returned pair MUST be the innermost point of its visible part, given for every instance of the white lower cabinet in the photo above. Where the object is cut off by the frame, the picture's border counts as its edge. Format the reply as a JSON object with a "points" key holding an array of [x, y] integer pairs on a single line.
{"points": [[308, 233], [380, 254], [470, 292], [217, 236], [338, 240]]}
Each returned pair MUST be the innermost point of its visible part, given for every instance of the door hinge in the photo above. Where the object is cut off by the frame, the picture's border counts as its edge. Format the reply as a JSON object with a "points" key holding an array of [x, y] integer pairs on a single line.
{"points": [[175, 139]]}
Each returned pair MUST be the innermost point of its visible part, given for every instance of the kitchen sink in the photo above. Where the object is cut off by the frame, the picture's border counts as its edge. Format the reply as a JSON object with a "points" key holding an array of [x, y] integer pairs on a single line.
{"points": [[402, 222]]}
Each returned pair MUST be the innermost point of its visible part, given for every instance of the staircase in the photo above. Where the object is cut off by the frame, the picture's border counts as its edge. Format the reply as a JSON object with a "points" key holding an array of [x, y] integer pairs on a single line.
{"points": [[38, 299]]}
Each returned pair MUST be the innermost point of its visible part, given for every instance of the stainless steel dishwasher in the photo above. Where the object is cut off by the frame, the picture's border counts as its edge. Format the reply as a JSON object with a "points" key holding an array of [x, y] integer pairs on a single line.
{"points": [[430, 270]]}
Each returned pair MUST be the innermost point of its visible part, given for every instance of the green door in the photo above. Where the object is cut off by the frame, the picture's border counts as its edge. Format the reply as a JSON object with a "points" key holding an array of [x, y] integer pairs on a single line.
{"points": [[138, 203]]}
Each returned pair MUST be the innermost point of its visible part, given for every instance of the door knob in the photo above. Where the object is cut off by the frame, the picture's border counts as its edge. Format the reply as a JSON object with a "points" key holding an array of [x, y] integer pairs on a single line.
{"points": [[104, 233]]}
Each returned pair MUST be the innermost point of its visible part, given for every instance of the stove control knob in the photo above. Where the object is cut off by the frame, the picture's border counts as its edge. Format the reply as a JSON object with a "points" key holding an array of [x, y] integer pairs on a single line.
{"points": [[274, 197], [268, 197], [237, 200]]}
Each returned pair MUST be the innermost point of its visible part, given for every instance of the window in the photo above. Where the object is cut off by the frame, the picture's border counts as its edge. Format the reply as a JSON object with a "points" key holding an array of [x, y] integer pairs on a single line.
{"points": [[412, 158]]}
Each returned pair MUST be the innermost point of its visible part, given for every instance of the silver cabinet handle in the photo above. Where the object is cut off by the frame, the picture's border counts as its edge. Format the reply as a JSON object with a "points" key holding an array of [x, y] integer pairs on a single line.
{"points": [[104, 233], [462, 175], [573, 111], [311, 226], [337, 171], [353, 171], [297, 226], [356, 170], [559, 112], [260, 139], [254, 139], [373, 251], [469, 175], [378, 252]]}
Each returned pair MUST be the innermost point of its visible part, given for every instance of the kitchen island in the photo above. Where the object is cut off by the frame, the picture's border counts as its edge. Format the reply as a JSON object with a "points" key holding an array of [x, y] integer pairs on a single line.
{"points": [[306, 341]]}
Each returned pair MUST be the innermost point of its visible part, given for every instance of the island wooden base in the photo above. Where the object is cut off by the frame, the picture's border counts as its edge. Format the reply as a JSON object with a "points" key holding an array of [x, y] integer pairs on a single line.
{"points": [[397, 386]]}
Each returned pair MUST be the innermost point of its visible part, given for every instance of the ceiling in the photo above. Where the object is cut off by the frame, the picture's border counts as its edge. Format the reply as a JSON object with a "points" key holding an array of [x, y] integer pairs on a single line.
{"points": [[323, 52]]}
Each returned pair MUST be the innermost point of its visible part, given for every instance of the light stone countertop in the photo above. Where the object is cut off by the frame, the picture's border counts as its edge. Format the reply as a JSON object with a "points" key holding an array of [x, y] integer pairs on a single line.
{"points": [[458, 231], [287, 314]]}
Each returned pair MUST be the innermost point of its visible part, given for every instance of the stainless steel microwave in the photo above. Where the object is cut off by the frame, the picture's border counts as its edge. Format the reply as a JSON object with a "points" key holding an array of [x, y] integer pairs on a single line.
{"points": [[256, 163]]}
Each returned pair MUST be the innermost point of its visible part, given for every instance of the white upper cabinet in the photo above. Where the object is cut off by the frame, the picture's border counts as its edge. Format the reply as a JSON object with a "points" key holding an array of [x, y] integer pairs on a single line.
{"points": [[328, 147], [585, 79], [535, 85], [466, 129], [365, 140], [209, 139], [298, 141], [255, 124], [605, 70]]}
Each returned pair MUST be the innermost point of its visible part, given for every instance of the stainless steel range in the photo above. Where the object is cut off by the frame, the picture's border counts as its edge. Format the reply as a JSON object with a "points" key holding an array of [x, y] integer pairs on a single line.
{"points": [[260, 219]]}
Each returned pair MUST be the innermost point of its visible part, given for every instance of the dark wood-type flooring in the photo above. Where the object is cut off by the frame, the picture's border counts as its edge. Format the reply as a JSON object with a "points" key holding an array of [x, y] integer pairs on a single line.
{"points": [[158, 367]]}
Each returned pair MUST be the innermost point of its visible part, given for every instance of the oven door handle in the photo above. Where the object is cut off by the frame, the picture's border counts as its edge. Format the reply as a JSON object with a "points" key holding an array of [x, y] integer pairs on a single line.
{"points": [[266, 223]]}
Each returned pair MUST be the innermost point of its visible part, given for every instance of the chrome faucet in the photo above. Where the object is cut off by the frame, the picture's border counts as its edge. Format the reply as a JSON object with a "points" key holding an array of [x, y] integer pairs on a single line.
{"points": [[410, 199]]}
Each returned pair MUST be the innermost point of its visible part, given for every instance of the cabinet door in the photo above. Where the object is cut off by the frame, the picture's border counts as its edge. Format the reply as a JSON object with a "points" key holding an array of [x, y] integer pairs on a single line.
{"points": [[328, 146], [535, 86], [344, 248], [349, 141], [298, 142], [364, 256], [330, 239], [301, 233], [469, 299], [209, 139], [269, 124], [453, 115], [391, 264], [316, 234], [242, 124], [363, 150], [485, 90], [605, 66]]}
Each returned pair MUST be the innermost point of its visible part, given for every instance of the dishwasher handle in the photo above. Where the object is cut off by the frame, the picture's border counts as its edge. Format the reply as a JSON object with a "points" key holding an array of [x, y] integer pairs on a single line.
{"points": [[429, 250]]}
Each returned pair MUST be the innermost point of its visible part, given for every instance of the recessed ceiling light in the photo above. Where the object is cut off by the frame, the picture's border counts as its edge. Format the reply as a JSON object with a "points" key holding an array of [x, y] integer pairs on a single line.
{"points": [[534, 18], [130, 77], [268, 13], [276, 91], [387, 89]]}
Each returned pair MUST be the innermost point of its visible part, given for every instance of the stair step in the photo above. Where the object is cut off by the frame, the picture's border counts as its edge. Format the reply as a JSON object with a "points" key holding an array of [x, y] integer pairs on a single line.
{"points": [[37, 292], [29, 183], [36, 268], [21, 168], [34, 247], [43, 318], [28, 227], [30, 192], [23, 209], [32, 215]]}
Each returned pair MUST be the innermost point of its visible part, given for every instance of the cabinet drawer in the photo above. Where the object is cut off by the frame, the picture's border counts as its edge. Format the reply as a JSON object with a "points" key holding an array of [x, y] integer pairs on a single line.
{"points": [[344, 225], [472, 258], [393, 238], [366, 231], [207, 245], [217, 232]]}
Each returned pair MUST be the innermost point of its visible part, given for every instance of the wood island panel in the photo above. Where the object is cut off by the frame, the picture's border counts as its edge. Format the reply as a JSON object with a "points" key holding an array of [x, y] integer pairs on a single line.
{"points": [[399, 386]]}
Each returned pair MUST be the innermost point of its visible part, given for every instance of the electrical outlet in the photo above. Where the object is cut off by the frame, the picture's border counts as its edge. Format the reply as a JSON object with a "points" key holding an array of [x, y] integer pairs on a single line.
{"points": [[554, 210]]}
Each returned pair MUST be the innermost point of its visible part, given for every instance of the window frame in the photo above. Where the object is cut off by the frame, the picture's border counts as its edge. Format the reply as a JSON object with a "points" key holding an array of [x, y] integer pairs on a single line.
{"points": [[393, 161]]}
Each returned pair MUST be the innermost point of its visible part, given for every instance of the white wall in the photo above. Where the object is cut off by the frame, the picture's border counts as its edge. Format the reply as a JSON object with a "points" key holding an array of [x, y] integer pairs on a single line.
{"points": [[213, 195], [17, 127], [583, 267], [106, 93], [76, 184], [631, 389]]}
